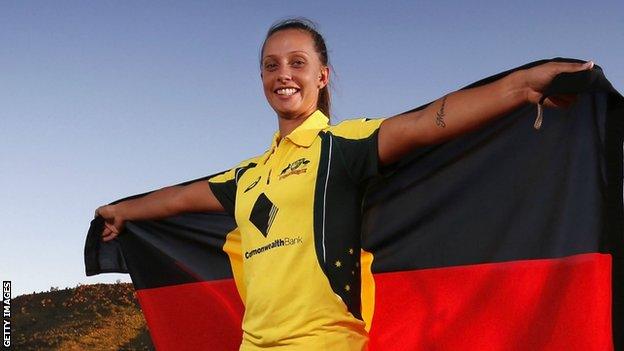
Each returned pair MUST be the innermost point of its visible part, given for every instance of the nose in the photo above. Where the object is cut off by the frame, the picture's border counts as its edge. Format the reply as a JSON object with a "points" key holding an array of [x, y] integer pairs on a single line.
{"points": [[283, 74]]}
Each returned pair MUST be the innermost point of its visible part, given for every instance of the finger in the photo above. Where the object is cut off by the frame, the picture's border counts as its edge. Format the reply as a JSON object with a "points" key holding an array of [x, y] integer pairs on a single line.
{"points": [[559, 101], [574, 67], [106, 232], [565, 98], [109, 237], [590, 64], [111, 228], [553, 102]]}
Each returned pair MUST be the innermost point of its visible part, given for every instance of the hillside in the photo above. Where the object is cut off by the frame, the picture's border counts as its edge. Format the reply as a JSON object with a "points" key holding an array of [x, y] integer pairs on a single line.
{"points": [[87, 317]]}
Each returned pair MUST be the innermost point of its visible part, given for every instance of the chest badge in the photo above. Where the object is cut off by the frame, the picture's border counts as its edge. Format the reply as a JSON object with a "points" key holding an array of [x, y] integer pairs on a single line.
{"points": [[296, 167]]}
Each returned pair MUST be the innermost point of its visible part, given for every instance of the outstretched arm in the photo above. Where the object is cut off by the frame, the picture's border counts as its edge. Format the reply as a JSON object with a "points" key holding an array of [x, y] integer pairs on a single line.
{"points": [[466, 110], [169, 201]]}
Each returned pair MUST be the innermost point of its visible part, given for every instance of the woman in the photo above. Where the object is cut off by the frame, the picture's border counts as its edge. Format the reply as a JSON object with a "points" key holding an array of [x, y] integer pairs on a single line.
{"points": [[298, 205]]}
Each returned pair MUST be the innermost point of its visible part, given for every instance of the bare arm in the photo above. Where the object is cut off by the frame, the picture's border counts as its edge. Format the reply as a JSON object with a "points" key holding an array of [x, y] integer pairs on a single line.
{"points": [[466, 110], [166, 202]]}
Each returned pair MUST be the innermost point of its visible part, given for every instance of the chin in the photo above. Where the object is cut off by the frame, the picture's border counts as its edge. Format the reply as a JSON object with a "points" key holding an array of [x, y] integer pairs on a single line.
{"points": [[288, 113], [288, 116]]}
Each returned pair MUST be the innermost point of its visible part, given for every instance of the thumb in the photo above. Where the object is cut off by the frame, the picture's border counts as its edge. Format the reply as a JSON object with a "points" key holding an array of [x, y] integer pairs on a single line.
{"points": [[577, 67]]}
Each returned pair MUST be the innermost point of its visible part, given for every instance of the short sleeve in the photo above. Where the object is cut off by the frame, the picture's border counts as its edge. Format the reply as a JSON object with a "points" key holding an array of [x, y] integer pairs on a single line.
{"points": [[223, 185], [357, 144]]}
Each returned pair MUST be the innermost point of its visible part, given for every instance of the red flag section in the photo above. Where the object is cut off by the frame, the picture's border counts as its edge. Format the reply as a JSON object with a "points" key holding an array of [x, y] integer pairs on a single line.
{"points": [[543, 304], [194, 316]]}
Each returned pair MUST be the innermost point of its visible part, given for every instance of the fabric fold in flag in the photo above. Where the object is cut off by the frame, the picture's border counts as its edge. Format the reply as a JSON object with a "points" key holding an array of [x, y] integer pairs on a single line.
{"points": [[507, 238]]}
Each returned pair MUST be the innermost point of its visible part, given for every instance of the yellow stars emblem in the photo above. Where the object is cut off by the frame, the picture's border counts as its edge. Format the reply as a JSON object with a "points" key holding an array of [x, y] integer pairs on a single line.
{"points": [[347, 287], [338, 264], [351, 251]]}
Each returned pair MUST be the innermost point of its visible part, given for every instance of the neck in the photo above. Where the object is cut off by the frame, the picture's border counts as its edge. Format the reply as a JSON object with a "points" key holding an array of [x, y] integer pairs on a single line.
{"points": [[287, 124]]}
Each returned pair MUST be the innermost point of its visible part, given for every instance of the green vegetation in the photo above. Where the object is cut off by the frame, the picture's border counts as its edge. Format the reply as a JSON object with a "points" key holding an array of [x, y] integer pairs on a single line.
{"points": [[87, 317]]}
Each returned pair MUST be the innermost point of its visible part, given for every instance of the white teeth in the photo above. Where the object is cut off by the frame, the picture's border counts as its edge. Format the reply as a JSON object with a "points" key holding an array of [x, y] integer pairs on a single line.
{"points": [[286, 91]]}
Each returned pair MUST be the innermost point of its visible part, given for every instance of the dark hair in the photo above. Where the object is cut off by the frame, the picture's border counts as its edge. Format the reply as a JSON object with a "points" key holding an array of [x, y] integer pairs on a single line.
{"points": [[304, 24]]}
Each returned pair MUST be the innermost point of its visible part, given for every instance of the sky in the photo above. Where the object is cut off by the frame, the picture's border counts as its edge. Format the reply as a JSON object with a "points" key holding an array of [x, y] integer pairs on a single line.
{"points": [[100, 100]]}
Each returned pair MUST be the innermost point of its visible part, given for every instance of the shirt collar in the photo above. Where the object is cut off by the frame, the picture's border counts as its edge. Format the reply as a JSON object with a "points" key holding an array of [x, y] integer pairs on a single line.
{"points": [[305, 133]]}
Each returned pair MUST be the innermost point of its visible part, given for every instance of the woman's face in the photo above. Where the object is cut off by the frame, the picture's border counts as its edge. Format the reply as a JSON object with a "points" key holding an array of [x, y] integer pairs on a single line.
{"points": [[292, 73]]}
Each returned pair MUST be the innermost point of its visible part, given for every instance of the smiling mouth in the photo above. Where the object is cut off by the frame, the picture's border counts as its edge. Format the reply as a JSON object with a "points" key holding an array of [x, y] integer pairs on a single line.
{"points": [[286, 91]]}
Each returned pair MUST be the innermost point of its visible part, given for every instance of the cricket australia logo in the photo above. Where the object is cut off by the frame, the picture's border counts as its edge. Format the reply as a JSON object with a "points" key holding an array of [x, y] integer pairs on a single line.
{"points": [[263, 214], [296, 167]]}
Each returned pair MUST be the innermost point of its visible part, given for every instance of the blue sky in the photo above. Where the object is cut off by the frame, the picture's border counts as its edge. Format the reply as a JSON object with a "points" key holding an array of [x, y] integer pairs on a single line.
{"points": [[101, 100]]}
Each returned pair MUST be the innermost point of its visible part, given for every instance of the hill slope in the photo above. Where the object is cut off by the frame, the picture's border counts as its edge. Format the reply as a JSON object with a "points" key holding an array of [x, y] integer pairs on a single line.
{"points": [[87, 317]]}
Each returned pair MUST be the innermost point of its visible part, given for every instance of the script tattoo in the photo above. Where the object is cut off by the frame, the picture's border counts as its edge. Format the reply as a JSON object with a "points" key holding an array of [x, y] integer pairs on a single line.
{"points": [[440, 114]]}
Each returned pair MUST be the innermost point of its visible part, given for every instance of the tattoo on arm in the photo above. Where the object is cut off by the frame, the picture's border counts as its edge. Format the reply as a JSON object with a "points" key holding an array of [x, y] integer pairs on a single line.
{"points": [[440, 114]]}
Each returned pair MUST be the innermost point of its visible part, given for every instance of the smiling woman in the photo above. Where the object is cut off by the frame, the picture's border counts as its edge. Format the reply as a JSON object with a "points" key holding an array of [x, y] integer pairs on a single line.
{"points": [[310, 185], [295, 71]]}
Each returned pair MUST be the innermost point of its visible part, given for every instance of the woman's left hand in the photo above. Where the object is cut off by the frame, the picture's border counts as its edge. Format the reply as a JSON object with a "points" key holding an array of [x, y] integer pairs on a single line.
{"points": [[466, 110], [539, 77]]}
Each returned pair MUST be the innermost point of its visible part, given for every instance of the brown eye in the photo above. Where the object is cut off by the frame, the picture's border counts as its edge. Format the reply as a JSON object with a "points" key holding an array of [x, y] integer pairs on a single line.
{"points": [[298, 63]]}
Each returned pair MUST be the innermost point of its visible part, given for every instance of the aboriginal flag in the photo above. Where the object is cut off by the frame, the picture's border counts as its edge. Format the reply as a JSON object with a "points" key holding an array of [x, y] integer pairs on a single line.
{"points": [[507, 238]]}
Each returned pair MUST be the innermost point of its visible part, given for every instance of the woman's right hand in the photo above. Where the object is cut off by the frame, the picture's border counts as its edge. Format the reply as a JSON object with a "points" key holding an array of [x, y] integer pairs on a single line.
{"points": [[113, 221], [162, 203]]}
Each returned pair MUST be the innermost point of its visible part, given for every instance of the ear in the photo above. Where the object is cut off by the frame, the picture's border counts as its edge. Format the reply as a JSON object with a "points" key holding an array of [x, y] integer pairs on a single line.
{"points": [[323, 77]]}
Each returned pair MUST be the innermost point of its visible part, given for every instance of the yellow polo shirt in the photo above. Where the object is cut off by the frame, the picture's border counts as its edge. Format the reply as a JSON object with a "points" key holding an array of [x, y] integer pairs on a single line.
{"points": [[298, 209]]}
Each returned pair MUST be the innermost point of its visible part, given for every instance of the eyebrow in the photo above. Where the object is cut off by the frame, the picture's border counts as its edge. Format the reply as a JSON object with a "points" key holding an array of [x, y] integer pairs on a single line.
{"points": [[292, 52]]}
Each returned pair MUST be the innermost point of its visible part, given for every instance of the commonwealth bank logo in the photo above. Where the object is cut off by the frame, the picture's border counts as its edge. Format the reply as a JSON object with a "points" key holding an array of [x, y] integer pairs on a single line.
{"points": [[263, 213]]}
